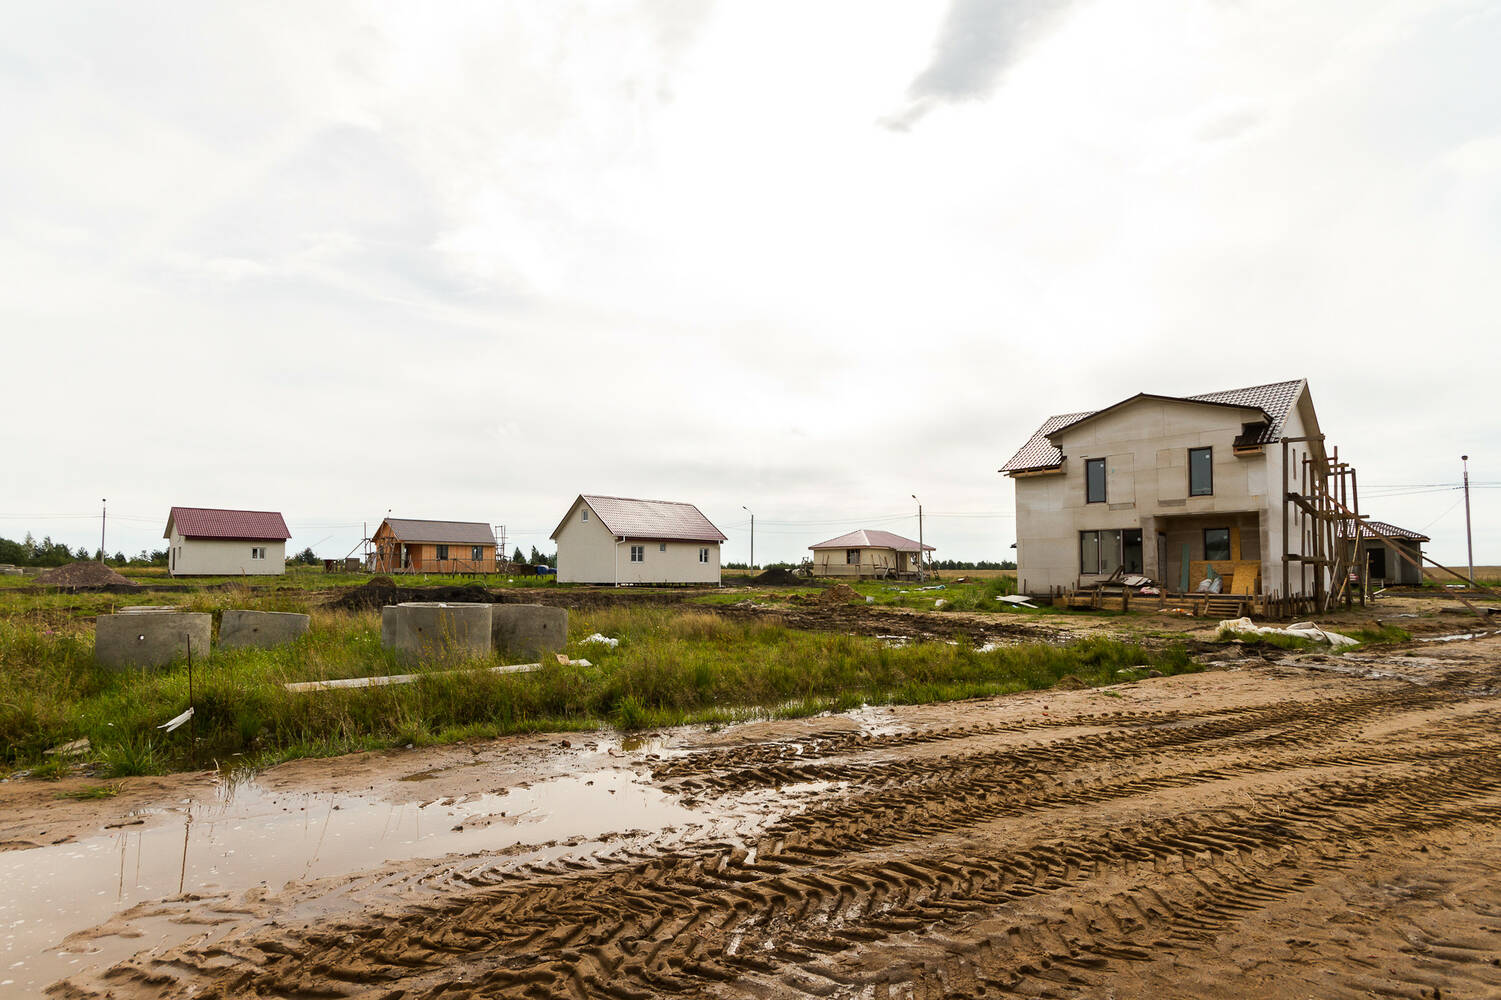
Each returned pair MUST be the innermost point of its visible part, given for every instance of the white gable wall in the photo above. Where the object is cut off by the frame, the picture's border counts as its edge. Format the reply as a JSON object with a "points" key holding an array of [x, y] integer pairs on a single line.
{"points": [[586, 549], [588, 553], [224, 557]]}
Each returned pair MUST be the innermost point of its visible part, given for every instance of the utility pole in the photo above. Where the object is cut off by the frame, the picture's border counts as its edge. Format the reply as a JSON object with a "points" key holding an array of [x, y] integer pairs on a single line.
{"points": [[921, 569], [752, 566], [104, 512], [1469, 538]]}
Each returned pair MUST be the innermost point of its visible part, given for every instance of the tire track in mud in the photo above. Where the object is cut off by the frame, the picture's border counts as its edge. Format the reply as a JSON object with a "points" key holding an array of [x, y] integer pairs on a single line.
{"points": [[947, 874]]}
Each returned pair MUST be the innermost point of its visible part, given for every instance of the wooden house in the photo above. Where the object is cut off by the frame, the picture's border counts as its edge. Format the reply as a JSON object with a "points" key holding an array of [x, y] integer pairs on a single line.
{"points": [[404, 545]]}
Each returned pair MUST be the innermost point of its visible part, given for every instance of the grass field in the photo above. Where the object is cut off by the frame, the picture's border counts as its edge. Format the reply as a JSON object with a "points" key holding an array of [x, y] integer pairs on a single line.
{"points": [[674, 664]]}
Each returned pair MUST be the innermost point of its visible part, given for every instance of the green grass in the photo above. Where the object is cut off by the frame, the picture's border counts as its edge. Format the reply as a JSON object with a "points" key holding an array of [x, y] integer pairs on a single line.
{"points": [[1381, 635], [91, 792], [675, 664]]}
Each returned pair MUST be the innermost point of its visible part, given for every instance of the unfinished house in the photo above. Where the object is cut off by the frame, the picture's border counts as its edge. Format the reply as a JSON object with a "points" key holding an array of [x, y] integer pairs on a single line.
{"points": [[621, 541], [868, 553], [1179, 489], [1393, 556], [211, 541], [407, 545]]}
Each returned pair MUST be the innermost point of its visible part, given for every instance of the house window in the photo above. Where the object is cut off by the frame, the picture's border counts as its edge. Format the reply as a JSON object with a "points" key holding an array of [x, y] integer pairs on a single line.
{"points": [[852, 557], [1099, 551], [476, 553], [442, 552], [257, 552], [638, 553], [1216, 543], [584, 514], [703, 555], [662, 547], [1200, 472], [1094, 480]]}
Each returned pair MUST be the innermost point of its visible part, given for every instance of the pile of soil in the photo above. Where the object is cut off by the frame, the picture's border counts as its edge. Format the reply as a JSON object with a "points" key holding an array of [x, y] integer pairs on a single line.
{"points": [[80, 575], [777, 576], [840, 593]]}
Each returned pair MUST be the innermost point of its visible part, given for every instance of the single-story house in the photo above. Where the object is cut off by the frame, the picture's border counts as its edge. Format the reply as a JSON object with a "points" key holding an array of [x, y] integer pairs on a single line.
{"points": [[619, 541], [1384, 567], [868, 552], [208, 541], [409, 545]]}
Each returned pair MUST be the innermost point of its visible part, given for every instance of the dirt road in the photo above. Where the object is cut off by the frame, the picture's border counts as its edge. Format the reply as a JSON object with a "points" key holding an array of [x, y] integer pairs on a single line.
{"points": [[1323, 827]]}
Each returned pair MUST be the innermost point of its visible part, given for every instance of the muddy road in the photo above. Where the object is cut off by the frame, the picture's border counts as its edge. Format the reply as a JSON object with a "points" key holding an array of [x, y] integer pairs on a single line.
{"points": [[1267, 830]]}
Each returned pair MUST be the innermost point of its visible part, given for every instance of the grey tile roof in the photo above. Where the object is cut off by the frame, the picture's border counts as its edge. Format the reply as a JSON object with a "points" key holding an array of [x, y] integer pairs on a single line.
{"points": [[442, 532], [1389, 530], [1275, 398], [870, 538], [656, 520]]}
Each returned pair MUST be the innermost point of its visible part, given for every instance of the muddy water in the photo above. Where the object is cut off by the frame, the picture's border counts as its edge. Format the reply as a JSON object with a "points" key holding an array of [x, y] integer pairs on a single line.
{"points": [[250, 836]]}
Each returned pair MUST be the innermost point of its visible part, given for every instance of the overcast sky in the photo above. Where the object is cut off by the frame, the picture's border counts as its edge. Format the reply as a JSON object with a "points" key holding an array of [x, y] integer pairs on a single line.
{"points": [[805, 258]]}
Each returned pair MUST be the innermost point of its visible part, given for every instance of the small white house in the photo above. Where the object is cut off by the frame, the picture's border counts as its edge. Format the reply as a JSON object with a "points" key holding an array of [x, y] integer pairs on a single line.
{"points": [[203, 541], [619, 541]]}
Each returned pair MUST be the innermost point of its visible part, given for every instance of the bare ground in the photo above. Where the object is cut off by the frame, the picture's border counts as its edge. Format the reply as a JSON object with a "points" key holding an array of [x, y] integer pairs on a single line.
{"points": [[1320, 826]]}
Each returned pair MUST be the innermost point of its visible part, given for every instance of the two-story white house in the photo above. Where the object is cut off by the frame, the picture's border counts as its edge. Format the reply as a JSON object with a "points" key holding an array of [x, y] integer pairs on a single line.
{"points": [[1167, 486]]}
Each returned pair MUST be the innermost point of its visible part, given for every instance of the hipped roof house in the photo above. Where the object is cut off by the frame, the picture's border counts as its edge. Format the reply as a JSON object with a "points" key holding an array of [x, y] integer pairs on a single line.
{"points": [[867, 552]]}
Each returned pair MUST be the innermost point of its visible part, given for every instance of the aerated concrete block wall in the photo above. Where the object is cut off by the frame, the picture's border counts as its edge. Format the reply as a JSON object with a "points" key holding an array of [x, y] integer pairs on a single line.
{"points": [[528, 631], [260, 629], [151, 639]]}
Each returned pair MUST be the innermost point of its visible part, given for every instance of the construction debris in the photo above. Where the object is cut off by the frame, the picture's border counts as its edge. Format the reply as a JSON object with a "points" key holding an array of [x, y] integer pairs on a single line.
{"points": [[1298, 630]]}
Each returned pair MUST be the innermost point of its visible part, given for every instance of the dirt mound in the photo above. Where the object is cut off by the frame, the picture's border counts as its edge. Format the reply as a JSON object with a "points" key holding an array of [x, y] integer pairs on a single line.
{"points": [[777, 576], [380, 591], [84, 574], [840, 593]]}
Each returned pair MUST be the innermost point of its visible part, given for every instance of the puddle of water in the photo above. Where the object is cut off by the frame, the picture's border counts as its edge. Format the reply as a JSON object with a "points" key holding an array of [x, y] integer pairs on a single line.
{"points": [[1458, 637], [256, 837]]}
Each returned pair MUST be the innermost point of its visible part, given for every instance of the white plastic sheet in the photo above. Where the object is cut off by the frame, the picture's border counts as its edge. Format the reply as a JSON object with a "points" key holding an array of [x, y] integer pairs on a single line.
{"points": [[1299, 630]]}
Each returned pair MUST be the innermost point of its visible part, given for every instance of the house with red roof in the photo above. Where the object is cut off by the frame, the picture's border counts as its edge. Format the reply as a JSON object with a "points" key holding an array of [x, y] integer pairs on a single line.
{"points": [[209, 541], [868, 553], [621, 541]]}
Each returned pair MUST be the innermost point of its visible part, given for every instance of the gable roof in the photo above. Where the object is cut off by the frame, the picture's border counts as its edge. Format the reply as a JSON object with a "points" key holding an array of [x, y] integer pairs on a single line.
{"points": [[213, 522], [441, 532], [658, 520], [1368, 529], [1273, 400], [869, 538]]}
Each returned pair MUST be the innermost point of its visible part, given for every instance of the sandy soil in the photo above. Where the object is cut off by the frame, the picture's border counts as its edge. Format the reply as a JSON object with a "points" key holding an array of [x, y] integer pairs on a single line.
{"points": [[1315, 826]]}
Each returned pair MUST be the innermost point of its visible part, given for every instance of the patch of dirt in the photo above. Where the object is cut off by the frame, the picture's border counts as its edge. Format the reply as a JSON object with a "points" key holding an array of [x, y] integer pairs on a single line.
{"points": [[381, 591], [87, 575], [1258, 833], [864, 619]]}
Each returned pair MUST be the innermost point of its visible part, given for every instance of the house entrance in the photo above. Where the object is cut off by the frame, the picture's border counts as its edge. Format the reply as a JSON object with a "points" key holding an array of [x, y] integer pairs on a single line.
{"points": [[1131, 551]]}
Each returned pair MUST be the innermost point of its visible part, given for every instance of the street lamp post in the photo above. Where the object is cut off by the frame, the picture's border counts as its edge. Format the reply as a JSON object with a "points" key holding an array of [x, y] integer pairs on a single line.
{"points": [[752, 566], [103, 513], [1469, 538], [921, 572]]}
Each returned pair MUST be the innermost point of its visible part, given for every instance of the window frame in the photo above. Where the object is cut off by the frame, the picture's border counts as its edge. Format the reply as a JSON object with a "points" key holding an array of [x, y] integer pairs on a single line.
{"points": [[476, 553], [1090, 463], [852, 557], [638, 553], [1117, 550], [584, 514], [1206, 492], [440, 552], [1228, 554], [703, 554]]}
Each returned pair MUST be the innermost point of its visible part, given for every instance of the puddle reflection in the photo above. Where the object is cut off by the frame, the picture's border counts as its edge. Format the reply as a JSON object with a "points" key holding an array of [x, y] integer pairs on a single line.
{"points": [[248, 836]]}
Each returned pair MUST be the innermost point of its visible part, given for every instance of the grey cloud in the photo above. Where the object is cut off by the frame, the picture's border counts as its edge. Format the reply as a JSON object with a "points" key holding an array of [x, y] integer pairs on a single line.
{"points": [[978, 41]]}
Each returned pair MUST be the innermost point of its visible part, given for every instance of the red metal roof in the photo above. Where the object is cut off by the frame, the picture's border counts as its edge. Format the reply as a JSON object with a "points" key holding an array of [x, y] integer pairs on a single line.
{"points": [[654, 520], [869, 538], [210, 522]]}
